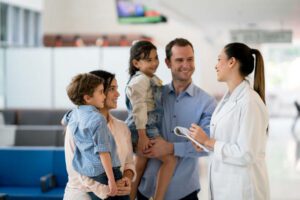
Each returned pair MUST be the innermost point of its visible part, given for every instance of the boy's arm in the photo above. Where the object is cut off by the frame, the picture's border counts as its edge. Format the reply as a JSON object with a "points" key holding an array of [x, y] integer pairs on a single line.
{"points": [[106, 162], [107, 165]]}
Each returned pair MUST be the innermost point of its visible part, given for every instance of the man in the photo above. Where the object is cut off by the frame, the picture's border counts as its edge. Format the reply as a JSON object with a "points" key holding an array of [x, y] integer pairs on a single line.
{"points": [[184, 103]]}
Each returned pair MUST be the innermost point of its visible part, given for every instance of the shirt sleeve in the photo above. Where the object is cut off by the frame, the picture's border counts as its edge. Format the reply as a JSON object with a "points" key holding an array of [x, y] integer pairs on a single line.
{"points": [[101, 135], [186, 149], [253, 125], [137, 91]]}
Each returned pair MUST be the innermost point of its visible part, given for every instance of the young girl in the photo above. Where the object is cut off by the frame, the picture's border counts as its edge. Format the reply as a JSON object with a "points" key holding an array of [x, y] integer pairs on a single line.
{"points": [[143, 100]]}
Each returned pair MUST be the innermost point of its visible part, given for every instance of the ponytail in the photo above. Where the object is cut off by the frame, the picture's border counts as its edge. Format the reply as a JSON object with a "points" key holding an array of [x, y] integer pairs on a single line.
{"points": [[259, 74]]}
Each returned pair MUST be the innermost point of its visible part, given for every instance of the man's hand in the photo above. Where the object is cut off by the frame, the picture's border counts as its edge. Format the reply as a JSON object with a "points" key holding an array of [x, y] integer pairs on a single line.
{"points": [[124, 186], [159, 147]]}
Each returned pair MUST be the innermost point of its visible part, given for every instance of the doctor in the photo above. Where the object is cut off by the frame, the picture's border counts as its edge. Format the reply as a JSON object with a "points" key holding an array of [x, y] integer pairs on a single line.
{"points": [[238, 129]]}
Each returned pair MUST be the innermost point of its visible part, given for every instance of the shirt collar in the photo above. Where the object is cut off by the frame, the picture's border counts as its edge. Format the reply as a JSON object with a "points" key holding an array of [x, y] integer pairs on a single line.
{"points": [[87, 108], [189, 90]]}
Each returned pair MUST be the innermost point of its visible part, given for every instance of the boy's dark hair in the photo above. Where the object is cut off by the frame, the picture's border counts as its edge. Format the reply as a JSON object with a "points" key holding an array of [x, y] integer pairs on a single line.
{"points": [[181, 42], [139, 50], [82, 84]]}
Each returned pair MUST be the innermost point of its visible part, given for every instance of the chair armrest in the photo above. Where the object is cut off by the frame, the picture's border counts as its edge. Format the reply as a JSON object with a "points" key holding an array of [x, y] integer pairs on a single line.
{"points": [[3, 196], [47, 182]]}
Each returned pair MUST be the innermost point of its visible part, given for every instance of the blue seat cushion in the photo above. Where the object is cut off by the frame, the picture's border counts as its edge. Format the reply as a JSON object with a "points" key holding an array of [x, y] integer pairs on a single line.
{"points": [[35, 193], [24, 167]]}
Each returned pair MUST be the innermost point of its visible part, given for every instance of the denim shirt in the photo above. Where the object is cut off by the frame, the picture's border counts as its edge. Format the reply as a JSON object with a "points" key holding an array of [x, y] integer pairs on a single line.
{"points": [[91, 136], [143, 96]]}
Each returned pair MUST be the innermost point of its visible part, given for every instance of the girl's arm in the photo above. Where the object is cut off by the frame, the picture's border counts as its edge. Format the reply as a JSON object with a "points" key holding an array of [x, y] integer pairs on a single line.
{"points": [[143, 141]]}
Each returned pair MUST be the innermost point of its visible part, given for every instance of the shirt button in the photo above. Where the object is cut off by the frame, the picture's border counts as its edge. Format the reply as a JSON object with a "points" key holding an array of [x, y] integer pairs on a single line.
{"points": [[174, 116]]}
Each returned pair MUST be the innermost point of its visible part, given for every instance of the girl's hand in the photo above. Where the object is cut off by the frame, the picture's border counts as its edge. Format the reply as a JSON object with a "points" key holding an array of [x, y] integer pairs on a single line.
{"points": [[143, 143], [112, 188], [198, 134]]}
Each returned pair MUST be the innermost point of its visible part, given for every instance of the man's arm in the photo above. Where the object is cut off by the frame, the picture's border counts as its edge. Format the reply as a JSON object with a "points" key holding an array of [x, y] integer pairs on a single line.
{"points": [[186, 149], [161, 147]]}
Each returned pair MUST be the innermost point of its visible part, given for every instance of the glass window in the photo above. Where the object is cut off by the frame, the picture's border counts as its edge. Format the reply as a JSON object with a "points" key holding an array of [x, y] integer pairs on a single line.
{"points": [[16, 25], [37, 27], [26, 27], [3, 23]]}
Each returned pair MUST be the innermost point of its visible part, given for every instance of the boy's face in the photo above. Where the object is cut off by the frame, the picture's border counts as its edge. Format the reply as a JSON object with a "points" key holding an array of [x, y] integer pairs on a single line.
{"points": [[97, 99]]}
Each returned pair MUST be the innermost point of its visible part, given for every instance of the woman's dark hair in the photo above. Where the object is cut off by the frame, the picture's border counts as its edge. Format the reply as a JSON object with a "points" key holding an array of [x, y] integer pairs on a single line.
{"points": [[106, 76], [139, 50], [244, 55]]}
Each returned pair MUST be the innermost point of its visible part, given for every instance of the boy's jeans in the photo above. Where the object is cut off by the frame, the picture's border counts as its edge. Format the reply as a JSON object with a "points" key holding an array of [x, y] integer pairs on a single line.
{"points": [[102, 178]]}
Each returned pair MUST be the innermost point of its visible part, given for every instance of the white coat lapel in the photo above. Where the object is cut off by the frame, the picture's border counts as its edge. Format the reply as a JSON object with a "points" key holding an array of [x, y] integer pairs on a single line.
{"points": [[225, 107], [224, 110]]}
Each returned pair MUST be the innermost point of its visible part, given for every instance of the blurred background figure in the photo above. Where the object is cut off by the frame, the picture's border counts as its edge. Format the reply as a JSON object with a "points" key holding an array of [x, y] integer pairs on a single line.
{"points": [[78, 41]]}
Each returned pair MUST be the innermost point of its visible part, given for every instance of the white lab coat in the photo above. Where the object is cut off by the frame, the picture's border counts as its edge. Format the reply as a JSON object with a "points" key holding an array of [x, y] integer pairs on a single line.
{"points": [[237, 170]]}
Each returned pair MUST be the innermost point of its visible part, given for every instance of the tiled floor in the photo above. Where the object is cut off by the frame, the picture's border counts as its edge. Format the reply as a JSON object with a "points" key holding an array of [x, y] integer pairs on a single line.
{"points": [[283, 166]]}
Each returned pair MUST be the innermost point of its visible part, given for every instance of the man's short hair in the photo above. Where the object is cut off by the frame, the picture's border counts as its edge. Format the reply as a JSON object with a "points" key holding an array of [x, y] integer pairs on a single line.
{"points": [[176, 42]]}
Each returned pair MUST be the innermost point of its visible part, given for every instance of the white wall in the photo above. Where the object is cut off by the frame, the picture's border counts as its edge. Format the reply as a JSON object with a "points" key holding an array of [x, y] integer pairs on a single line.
{"points": [[67, 62], [38, 77], [28, 78]]}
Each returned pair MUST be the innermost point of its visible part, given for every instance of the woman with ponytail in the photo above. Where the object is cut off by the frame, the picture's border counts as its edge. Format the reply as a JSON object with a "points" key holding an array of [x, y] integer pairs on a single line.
{"points": [[238, 128]]}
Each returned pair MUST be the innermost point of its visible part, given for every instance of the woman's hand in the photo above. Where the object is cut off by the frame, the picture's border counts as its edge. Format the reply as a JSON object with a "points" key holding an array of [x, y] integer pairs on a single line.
{"points": [[198, 134], [197, 148], [124, 186], [112, 188]]}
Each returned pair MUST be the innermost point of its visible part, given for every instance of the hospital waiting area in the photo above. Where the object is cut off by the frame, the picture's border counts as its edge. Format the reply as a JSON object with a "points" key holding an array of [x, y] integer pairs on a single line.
{"points": [[45, 43]]}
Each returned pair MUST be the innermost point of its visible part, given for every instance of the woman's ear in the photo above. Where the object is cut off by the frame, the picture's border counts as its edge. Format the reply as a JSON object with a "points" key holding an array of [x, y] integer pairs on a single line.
{"points": [[232, 62]]}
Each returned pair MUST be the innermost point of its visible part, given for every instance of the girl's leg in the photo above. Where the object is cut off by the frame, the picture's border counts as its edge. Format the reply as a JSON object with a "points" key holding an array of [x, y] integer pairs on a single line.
{"points": [[140, 165], [164, 176]]}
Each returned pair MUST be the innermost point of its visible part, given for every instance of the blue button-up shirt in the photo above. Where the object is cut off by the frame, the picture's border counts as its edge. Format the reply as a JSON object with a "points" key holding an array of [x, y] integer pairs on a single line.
{"points": [[191, 106], [91, 137]]}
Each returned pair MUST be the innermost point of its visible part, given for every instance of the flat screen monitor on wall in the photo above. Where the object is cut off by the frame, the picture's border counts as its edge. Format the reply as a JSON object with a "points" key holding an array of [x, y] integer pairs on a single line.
{"points": [[131, 12]]}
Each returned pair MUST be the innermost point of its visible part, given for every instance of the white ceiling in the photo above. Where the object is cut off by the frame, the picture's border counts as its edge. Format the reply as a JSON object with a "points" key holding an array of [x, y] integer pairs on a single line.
{"points": [[234, 14]]}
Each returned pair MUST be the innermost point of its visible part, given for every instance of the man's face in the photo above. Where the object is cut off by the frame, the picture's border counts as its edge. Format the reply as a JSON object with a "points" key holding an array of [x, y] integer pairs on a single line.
{"points": [[182, 63]]}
